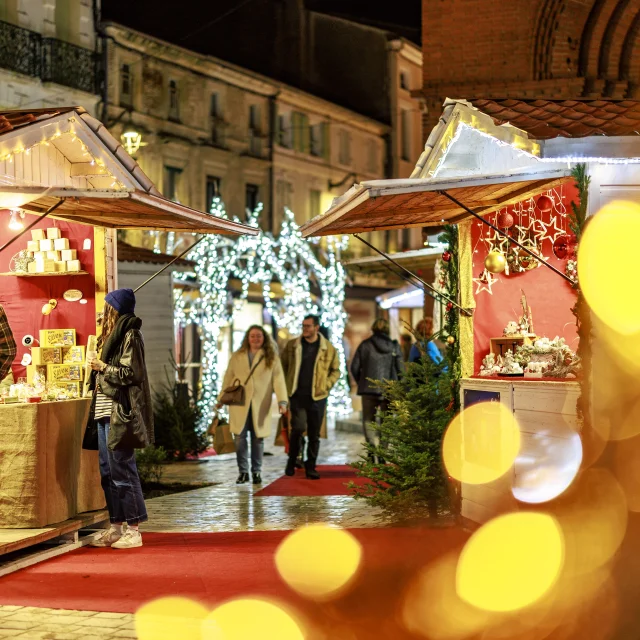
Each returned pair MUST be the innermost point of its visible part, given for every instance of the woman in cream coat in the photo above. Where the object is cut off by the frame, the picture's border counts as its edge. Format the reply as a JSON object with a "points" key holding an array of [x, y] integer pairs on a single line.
{"points": [[257, 352]]}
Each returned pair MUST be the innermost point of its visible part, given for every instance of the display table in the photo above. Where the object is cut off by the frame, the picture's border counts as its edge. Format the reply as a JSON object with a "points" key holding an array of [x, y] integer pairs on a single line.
{"points": [[45, 475], [546, 414]]}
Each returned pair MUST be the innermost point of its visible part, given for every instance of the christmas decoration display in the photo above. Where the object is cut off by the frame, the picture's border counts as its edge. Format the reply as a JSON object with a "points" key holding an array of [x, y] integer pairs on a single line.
{"points": [[545, 203], [450, 339], [446, 256], [504, 220], [564, 246], [485, 281], [495, 262], [262, 259], [552, 358], [510, 366], [490, 365], [512, 329]]}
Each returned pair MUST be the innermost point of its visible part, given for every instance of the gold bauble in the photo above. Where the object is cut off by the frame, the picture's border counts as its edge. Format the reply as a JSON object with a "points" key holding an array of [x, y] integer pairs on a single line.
{"points": [[495, 262]]}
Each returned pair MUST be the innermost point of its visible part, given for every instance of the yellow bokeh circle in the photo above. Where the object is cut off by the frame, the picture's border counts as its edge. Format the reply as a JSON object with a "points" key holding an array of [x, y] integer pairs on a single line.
{"points": [[511, 562], [481, 443], [170, 618], [319, 561], [609, 245], [250, 618]]}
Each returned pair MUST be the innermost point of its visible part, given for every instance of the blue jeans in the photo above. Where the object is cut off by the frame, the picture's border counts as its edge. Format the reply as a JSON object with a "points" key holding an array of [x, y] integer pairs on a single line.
{"points": [[120, 480], [242, 448]]}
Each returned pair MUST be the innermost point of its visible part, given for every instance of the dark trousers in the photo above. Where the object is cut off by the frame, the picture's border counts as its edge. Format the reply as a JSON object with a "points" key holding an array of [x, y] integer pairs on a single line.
{"points": [[306, 415], [120, 481], [370, 406]]}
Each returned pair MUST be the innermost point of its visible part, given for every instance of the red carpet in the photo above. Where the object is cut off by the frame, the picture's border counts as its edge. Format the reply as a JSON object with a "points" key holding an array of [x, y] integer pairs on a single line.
{"points": [[208, 453], [215, 567], [333, 482]]}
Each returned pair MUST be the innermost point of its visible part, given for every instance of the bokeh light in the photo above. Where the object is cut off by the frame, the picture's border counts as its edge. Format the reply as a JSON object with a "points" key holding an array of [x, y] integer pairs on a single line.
{"points": [[250, 618], [627, 470], [593, 516], [170, 618], [326, 571], [510, 562], [481, 443], [547, 464], [617, 225]]}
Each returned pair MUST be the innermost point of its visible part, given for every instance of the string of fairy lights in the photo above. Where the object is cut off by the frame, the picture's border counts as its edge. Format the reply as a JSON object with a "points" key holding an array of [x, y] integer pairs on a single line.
{"points": [[262, 259]]}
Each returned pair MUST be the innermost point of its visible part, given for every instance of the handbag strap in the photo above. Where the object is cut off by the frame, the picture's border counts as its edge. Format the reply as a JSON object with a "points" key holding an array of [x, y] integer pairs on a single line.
{"points": [[252, 370]]}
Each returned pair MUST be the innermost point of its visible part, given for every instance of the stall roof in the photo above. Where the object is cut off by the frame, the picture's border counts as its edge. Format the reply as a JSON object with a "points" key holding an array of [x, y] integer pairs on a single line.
{"points": [[123, 210], [129, 253], [398, 204]]}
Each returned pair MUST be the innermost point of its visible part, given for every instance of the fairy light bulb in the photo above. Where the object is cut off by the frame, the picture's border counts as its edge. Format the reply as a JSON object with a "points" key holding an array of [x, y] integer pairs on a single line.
{"points": [[15, 224]]}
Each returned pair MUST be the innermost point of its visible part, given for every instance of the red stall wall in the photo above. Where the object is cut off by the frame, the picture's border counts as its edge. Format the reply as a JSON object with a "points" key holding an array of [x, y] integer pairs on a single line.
{"points": [[549, 296], [23, 298]]}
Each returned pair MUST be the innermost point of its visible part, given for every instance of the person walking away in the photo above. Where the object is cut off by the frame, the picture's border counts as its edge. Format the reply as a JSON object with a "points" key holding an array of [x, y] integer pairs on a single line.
{"points": [[424, 330], [376, 358], [8, 347], [120, 419], [311, 367], [256, 362]]}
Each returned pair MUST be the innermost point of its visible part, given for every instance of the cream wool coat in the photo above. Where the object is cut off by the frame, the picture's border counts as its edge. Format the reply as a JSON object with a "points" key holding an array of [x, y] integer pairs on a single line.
{"points": [[258, 391]]}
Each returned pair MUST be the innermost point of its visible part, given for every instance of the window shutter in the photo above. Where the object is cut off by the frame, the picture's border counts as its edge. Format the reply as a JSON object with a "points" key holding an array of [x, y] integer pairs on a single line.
{"points": [[305, 132], [326, 146], [296, 130]]}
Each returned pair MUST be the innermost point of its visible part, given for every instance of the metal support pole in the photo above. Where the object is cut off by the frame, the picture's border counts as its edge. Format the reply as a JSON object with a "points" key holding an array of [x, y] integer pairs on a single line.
{"points": [[440, 296]]}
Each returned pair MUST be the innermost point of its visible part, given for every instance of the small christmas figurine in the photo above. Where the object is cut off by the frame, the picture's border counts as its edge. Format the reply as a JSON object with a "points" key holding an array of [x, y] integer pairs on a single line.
{"points": [[488, 367], [526, 321], [510, 365]]}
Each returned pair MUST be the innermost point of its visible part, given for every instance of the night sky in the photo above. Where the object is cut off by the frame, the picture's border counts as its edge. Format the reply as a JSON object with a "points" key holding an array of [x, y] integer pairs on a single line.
{"points": [[194, 24]]}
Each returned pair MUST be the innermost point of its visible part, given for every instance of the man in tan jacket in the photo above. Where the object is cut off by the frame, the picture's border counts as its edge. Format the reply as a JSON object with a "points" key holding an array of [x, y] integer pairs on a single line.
{"points": [[311, 368]]}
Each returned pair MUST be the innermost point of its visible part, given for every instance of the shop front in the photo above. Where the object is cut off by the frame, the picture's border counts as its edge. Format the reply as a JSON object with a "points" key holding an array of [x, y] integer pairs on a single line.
{"points": [[511, 195], [66, 187]]}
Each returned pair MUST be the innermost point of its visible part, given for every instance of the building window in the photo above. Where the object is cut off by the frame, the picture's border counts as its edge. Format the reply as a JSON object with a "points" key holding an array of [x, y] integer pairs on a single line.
{"points": [[174, 101], [284, 191], [345, 148], [171, 182], [404, 80], [217, 123], [301, 133], [284, 130], [213, 191], [405, 134], [252, 197], [317, 140], [255, 133], [372, 157], [126, 86], [315, 198]]}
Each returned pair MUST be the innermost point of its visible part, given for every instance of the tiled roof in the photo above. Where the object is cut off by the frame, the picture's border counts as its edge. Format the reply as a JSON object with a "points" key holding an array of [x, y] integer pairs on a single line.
{"points": [[129, 253], [10, 120], [544, 119]]}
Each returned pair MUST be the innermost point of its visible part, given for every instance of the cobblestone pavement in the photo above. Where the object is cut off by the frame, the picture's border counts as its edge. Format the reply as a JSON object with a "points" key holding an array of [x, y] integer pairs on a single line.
{"points": [[222, 507]]}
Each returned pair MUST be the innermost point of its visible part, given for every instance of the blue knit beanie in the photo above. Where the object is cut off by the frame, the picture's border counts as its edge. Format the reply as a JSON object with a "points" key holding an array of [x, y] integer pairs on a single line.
{"points": [[122, 300]]}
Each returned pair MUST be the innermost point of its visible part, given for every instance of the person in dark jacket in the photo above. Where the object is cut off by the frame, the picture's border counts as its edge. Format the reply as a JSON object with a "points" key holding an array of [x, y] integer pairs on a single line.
{"points": [[377, 358], [120, 418]]}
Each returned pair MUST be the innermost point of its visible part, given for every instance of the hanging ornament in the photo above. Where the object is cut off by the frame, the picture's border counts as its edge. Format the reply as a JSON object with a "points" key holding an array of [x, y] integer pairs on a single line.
{"points": [[446, 256], [504, 220], [565, 246], [485, 281], [545, 204], [495, 262], [450, 340], [449, 306]]}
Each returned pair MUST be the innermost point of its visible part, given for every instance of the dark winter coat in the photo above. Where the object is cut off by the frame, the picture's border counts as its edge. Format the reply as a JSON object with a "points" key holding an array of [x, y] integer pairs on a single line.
{"points": [[125, 381], [377, 358]]}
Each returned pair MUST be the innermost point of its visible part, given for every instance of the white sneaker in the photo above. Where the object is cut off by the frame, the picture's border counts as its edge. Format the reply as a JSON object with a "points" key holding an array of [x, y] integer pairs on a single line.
{"points": [[105, 538], [130, 539]]}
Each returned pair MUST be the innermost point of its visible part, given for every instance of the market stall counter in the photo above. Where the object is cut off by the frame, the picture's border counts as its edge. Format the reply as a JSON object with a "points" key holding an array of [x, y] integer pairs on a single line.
{"points": [[45, 476]]}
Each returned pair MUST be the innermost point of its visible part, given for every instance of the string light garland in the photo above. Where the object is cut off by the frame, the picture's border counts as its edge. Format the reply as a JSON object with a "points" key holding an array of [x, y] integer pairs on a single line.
{"points": [[262, 259]]}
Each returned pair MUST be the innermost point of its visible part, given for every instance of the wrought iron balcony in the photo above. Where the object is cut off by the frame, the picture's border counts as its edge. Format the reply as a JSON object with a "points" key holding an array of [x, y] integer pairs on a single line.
{"points": [[49, 59]]}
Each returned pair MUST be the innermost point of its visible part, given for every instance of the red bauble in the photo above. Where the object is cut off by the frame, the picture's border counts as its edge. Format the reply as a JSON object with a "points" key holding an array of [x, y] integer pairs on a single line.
{"points": [[504, 220], [545, 204], [449, 306], [446, 256], [565, 246]]}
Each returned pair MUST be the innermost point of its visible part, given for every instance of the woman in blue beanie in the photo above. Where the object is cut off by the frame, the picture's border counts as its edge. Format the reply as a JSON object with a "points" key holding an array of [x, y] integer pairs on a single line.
{"points": [[120, 419]]}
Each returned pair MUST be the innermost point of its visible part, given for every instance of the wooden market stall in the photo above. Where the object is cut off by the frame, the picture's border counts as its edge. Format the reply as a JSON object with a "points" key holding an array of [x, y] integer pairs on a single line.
{"points": [[499, 168], [66, 186]]}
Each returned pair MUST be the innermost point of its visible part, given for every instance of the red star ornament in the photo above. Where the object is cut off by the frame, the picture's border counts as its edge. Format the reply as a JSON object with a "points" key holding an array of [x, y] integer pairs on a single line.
{"points": [[485, 282]]}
